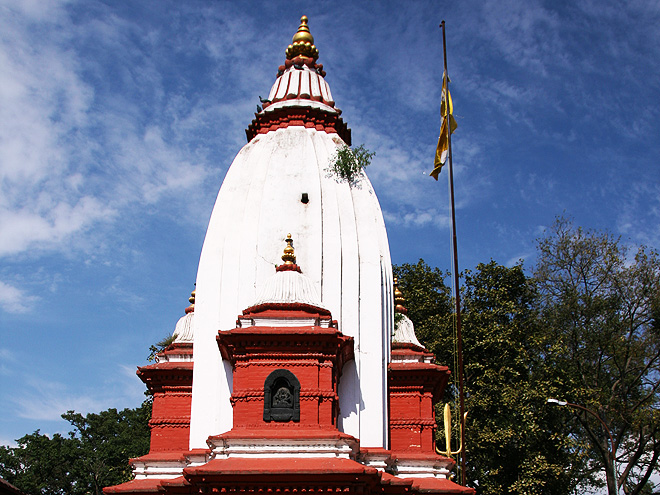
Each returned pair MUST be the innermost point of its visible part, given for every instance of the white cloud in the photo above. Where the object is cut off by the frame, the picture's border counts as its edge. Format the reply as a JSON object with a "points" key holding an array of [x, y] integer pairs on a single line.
{"points": [[641, 229], [526, 34], [42, 102], [13, 300], [47, 400], [7, 358], [69, 157], [37, 228], [6, 355], [36, 10], [418, 218]]}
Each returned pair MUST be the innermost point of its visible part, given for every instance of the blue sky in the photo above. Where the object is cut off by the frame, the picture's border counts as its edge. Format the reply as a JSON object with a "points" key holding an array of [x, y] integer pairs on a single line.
{"points": [[118, 121]]}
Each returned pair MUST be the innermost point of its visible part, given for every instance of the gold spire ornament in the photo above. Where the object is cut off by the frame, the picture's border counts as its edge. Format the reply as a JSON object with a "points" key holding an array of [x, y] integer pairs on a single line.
{"points": [[289, 256], [302, 42], [398, 299], [191, 300]]}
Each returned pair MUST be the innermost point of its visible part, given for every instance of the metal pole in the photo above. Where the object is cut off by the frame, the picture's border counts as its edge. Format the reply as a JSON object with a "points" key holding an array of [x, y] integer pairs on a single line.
{"points": [[457, 294]]}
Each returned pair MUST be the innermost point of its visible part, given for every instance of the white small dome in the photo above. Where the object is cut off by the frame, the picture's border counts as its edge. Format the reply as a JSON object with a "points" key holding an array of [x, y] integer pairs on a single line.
{"points": [[288, 286], [404, 332], [184, 330]]}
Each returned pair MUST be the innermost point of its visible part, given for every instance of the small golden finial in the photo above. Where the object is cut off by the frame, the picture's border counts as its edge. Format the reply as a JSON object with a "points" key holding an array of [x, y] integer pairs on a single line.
{"points": [[398, 298], [303, 33], [289, 257], [302, 42], [191, 299]]}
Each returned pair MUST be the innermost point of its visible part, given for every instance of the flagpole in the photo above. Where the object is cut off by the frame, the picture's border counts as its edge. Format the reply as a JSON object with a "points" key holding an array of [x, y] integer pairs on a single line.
{"points": [[457, 292]]}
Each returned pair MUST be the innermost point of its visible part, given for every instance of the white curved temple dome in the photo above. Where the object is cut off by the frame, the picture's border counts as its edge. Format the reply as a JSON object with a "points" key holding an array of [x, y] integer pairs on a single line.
{"points": [[279, 183]]}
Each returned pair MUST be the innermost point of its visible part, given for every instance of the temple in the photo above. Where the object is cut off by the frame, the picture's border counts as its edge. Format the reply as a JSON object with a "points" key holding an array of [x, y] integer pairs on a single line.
{"points": [[287, 372]]}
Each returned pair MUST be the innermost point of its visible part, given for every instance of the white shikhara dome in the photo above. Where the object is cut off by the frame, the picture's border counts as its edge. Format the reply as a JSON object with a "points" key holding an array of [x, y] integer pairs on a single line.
{"points": [[280, 183]]}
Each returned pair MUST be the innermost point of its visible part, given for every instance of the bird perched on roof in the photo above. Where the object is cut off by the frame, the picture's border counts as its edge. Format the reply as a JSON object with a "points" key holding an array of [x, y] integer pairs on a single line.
{"points": [[263, 100], [259, 109]]}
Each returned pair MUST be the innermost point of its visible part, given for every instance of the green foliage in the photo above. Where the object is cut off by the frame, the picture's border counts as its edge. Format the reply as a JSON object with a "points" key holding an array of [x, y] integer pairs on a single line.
{"points": [[586, 329], [347, 163], [428, 301], [160, 346], [600, 307], [510, 435], [39, 464], [510, 439], [93, 455]]}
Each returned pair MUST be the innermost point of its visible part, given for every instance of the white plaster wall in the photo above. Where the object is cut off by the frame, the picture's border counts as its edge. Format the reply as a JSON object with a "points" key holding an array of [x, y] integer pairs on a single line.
{"points": [[341, 245]]}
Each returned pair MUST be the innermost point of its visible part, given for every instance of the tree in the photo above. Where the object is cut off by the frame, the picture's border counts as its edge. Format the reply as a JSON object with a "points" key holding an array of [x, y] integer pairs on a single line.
{"points": [[511, 445], [428, 301], [93, 455], [39, 464], [104, 444], [601, 308]]}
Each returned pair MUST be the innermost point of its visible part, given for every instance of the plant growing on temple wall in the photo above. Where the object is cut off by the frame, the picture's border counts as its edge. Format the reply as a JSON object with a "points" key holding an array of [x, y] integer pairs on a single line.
{"points": [[347, 163]]}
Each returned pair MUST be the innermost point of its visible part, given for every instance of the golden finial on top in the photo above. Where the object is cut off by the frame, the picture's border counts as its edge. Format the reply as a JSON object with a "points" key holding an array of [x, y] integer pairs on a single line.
{"points": [[289, 257], [302, 42], [191, 299], [398, 298], [303, 33]]}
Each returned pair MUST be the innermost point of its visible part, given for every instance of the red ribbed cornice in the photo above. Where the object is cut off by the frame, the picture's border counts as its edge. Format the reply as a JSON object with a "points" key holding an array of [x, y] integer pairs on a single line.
{"points": [[311, 118]]}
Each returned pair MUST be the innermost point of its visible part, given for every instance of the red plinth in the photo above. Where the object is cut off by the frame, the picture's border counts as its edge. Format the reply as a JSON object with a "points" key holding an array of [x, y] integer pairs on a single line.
{"points": [[314, 355], [415, 383], [170, 382]]}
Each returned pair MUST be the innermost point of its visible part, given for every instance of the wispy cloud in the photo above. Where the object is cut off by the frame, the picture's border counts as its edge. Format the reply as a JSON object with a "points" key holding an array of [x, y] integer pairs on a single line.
{"points": [[47, 400], [643, 195], [71, 157], [47, 227], [50, 400], [418, 218], [13, 300], [7, 360]]}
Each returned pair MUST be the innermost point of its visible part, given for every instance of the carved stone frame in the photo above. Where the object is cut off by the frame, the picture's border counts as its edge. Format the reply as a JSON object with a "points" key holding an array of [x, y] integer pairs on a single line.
{"points": [[281, 414]]}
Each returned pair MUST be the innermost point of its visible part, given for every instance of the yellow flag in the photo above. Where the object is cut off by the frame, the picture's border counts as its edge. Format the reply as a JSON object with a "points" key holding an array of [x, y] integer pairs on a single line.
{"points": [[443, 141]]}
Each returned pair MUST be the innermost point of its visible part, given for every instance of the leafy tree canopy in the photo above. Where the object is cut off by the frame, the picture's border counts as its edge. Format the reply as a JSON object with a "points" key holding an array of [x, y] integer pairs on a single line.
{"points": [[93, 455], [584, 327], [600, 305], [511, 446]]}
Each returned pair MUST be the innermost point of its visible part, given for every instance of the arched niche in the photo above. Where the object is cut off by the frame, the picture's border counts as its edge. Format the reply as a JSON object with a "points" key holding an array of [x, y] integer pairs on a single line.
{"points": [[281, 397]]}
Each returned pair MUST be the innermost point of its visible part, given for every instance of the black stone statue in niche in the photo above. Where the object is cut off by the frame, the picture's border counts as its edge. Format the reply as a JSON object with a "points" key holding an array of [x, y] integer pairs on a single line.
{"points": [[281, 397]]}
